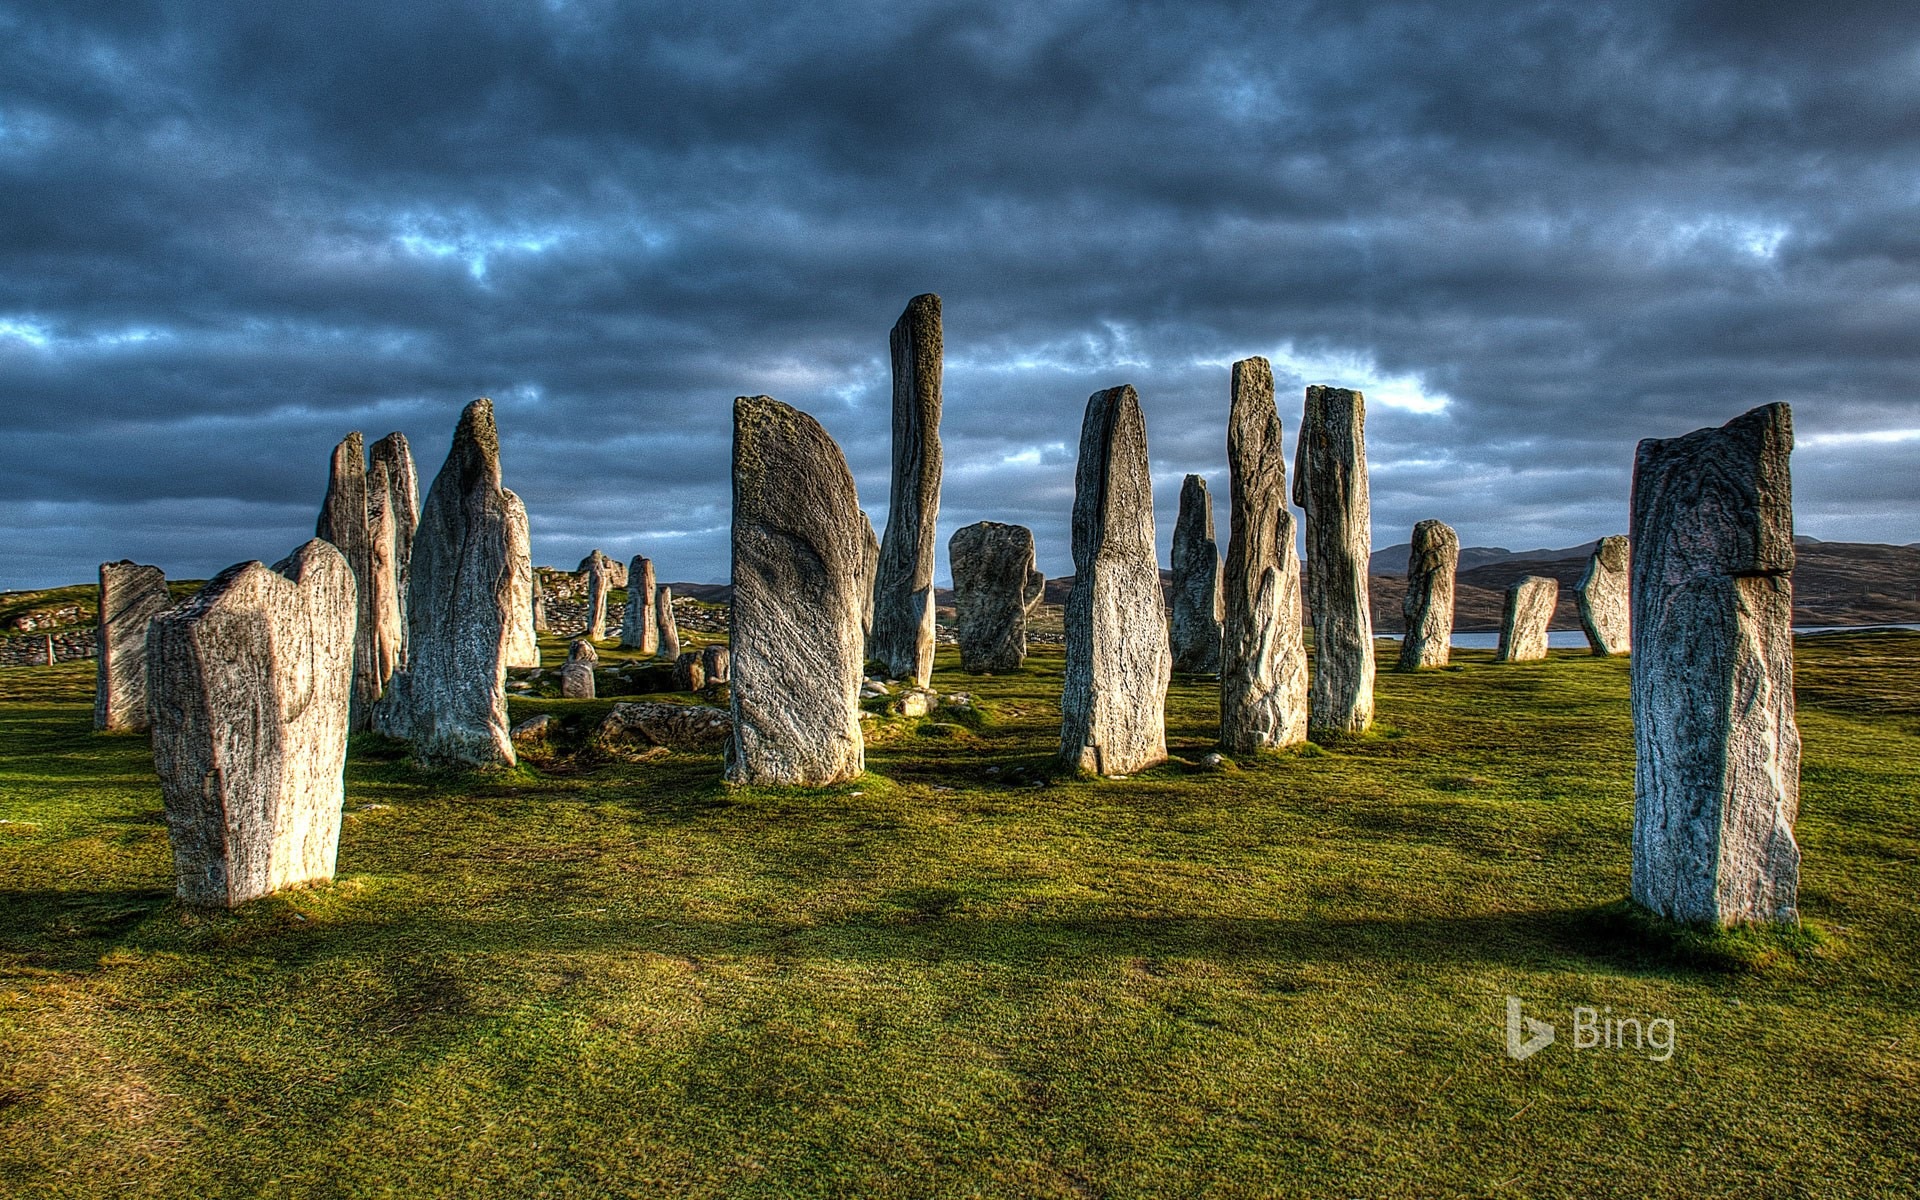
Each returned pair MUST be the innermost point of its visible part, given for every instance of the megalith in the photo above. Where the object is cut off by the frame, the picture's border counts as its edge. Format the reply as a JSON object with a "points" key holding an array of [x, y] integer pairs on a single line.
{"points": [[1523, 624], [1717, 766], [463, 606], [1197, 601], [798, 558], [381, 617], [1113, 705], [1330, 483], [669, 628], [639, 624], [523, 639], [1263, 661], [252, 681], [1601, 597], [1433, 558], [403, 505], [902, 635], [995, 588], [599, 570], [690, 671], [576, 674], [870, 567], [343, 522], [717, 661], [131, 595]]}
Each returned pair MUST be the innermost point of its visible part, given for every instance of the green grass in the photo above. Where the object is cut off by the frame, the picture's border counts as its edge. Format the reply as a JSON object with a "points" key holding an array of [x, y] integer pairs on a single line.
{"points": [[595, 977]]}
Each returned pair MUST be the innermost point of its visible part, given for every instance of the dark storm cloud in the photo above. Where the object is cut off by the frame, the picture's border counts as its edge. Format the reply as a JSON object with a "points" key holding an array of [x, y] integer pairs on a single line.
{"points": [[1534, 233]]}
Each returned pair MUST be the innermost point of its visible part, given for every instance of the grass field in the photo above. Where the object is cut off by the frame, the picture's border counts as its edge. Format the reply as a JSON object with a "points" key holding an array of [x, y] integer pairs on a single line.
{"points": [[592, 976]]}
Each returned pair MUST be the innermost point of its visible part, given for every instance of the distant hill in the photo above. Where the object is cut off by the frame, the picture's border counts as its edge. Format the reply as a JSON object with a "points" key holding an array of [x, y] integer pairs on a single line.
{"points": [[1393, 560]]}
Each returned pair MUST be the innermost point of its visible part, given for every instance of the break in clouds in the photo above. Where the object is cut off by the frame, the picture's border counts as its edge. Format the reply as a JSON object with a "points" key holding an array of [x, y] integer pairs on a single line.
{"points": [[1532, 233]]}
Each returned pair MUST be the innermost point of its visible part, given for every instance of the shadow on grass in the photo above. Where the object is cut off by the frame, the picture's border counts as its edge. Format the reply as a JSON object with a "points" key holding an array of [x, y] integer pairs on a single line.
{"points": [[69, 931]]}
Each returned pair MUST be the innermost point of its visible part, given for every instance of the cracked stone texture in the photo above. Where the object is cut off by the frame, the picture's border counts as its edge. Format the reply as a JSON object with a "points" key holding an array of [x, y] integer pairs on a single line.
{"points": [[690, 671], [1523, 625], [669, 634], [523, 639], [995, 588], [1197, 601], [1601, 596], [717, 662], [659, 723], [463, 603], [382, 614], [798, 560], [392, 455], [1113, 705], [252, 682], [1263, 668], [130, 596], [1717, 764], [343, 522], [1427, 609], [1330, 483], [639, 623], [902, 636]]}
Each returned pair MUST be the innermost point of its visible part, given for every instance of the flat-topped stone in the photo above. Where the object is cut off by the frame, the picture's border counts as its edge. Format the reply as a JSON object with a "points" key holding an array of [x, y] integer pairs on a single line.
{"points": [[995, 589], [131, 595], [1330, 483]]}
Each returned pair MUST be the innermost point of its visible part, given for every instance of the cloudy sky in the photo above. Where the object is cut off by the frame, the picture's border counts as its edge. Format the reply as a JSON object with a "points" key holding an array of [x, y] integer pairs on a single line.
{"points": [[1532, 233]]}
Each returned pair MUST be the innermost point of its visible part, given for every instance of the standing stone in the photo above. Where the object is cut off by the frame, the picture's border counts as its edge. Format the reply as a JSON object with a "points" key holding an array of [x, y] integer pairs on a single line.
{"points": [[1263, 668], [870, 567], [1197, 601], [902, 636], [1330, 483], [610, 567], [599, 583], [1433, 558], [382, 615], [523, 641], [1601, 596], [403, 505], [669, 628], [689, 671], [539, 608], [639, 624], [1523, 626], [576, 674], [995, 589], [343, 522], [130, 596], [252, 682], [463, 604], [1717, 772], [798, 557], [1113, 707], [717, 661]]}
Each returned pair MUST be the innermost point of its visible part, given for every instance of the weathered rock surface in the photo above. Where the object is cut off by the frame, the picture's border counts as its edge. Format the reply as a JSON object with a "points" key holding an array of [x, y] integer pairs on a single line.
{"points": [[523, 641], [1432, 562], [675, 726], [870, 567], [130, 596], [640, 624], [343, 522], [539, 609], [1330, 483], [902, 635], [1263, 666], [1601, 596], [1523, 628], [576, 674], [669, 629], [394, 457], [608, 566], [1717, 769], [916, 702], [1113, 705], [536, 728], [462, 605], [995, 589], [252, 682], [798, 558], [386, 637], [717, 661], [599, 569], [689, 671], [1198, 604]]}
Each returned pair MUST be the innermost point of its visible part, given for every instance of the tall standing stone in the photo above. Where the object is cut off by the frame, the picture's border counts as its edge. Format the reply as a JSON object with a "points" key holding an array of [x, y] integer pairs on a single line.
{"points": [[1197, 600], [1433, 558], [463, 604], [343, 522], [1330, 483], [539, 608], [382, 614], [1717, 769], [523, 639], [869, 567], [1113, 705], [1523, 624], [403, 506], [599, 583], [639, 624], [1263, 668], [251, 685], [669, 628], [995, 589], [131, 595], [798, 557], [902, 635], [1601, 596]]}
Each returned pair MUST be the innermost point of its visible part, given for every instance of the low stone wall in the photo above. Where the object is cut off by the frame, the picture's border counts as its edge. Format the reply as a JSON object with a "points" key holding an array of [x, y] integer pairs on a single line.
{"points": [[30, 649]]}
